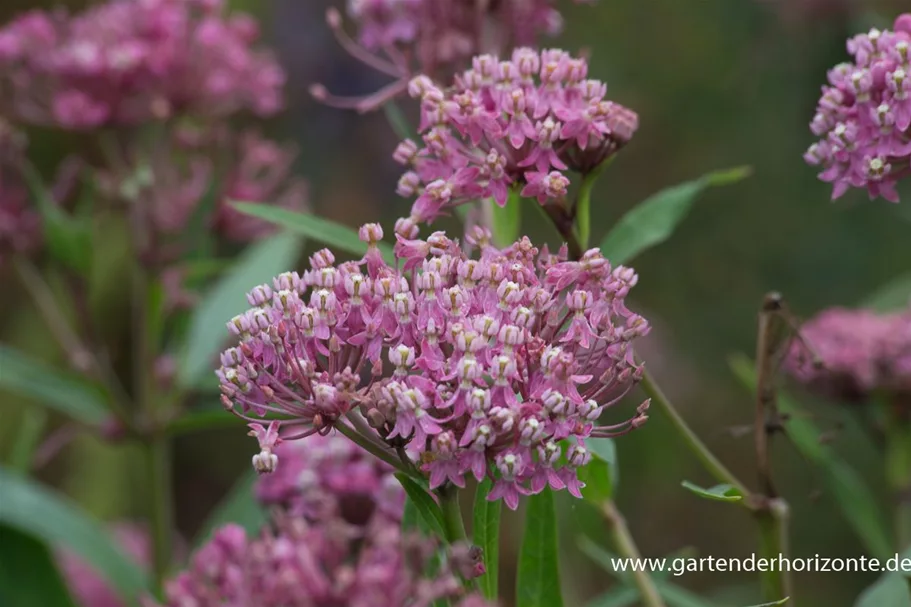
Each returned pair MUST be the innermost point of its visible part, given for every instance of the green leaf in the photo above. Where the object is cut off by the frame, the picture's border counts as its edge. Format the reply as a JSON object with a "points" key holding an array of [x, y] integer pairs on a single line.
{"points": [[600, 555], [486, 532], [890, 590], [227, 298], [239, 506], [410, 517], [53, 518], [720, 493], [28, 573], [851, 494], [68, 394], [653, 221], [68, 239], [339, 236], [891, 297], [398, 121], [506, 219], [538, 575], [427, 508], [602, 473]]}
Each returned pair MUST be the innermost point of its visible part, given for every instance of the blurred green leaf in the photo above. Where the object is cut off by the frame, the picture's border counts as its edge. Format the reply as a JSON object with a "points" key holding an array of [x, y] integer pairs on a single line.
{"points": [[600, 555], [227, 298], [239, 506], [538, 575], [68, 394], [846, 486], [620, 597], [506, 219], [652, 221], [894, 296], [410, 517], [338, 236], [602, 472], [427, 508], [28, 573], [720, 493], [68, 239], [53, 518], [486, 535], [890, 590], [28, 436]]}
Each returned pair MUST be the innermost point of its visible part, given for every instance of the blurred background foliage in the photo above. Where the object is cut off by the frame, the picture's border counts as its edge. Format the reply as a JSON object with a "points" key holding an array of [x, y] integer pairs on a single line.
{"points": [[716, 83]]}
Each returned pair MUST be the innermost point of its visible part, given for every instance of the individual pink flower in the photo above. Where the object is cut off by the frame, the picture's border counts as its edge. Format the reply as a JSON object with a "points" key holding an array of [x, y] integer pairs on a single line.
{"points": [[522, 124], [479, 366], [864, 116]]}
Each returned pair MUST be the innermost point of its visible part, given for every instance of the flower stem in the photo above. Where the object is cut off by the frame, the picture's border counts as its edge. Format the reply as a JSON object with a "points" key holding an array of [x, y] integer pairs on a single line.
{"points": [[772, 520], [711, 463], [626, 546], [582, 208], [158, 474], [374, 449], [452, 515]]}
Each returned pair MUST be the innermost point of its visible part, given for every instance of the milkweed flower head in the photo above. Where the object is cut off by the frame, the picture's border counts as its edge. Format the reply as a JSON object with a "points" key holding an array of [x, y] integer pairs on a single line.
{"points": [[499, 365], [127, 62], [523, 124], [327, 476], [864, 115], [860, 353], [435, 37]]}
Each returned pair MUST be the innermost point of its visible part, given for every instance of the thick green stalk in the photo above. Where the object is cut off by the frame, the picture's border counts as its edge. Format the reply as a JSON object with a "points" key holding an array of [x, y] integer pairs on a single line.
{"points": [[711, 463], [373, 448], [452, 515], [158, 476], [772, 520], [582, 210], [626, 547]]}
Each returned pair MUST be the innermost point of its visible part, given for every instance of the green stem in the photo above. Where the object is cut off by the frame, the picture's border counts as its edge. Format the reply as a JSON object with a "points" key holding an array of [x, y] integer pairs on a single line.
{"points": [[158, 474], [898, 475], [626, 546], [582, 210], [772, 521], [711, 463], [371, 447], [452, 515]]}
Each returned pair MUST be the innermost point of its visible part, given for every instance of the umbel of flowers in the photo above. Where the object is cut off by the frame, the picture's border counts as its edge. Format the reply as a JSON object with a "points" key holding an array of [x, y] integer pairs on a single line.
{"points": [[519, 123], [864, 115], [332, 542], [125, 62], [862, 354], [499, 365]]}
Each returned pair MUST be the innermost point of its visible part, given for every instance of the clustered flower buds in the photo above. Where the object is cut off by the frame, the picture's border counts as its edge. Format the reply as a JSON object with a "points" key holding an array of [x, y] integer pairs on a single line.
{"points": [[499, 366], [333, 542], [126, 62], [517, 124], [864, 115], [860, 353], [20, 224]]}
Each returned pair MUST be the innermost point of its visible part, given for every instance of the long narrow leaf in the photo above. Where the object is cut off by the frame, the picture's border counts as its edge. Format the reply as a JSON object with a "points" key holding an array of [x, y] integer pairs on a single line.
{"points": [[428, 509], [652, 221], [339, 236], [37, 511], [486, 532], [68, 394], [895, 295], [28, 573], [538, 577], [844, 484], [258, 264]]}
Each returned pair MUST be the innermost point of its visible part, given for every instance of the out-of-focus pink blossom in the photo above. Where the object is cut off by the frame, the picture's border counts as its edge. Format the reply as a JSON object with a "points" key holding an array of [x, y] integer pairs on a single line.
{"points": [[127, 62], [475, 366], [861, 353], [864, 116]]}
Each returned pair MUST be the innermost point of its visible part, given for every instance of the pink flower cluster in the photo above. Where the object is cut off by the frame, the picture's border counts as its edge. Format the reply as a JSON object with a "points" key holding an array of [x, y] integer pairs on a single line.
{"points": [[328, 476], [192, 175], [443, 32], [327, 564], [474, 366], [519, 123], [864, 115], [337, 540], [20, 225], [126, 62], [861, 353]]}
